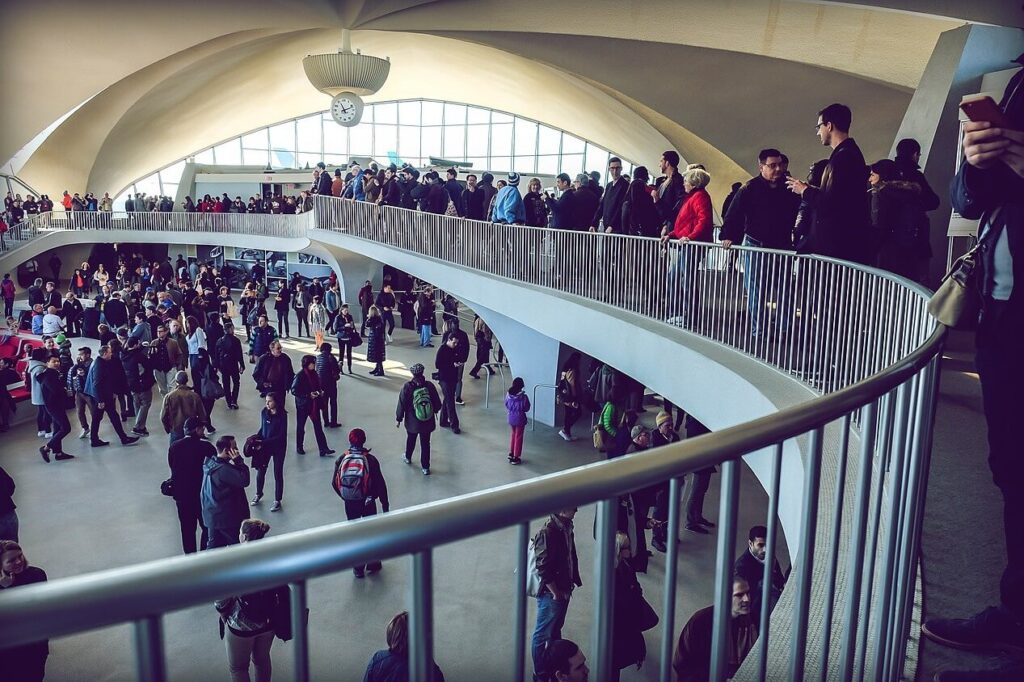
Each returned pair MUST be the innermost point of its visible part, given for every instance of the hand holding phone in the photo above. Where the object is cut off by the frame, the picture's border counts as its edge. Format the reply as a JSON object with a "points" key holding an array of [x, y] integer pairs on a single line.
{"points": [[985, 108]]}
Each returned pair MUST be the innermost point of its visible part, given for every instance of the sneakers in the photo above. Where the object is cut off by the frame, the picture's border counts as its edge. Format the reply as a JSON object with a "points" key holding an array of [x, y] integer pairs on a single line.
{"points": [[84, 433], [62, 456], [456, 430], [358, 572], [994, 629], [130, 440], [256, 499], [406, 459], [697, 528], [565, 436], [374, 567], [300, 451], [140, 432], [426, 472], [659, 544], [705, 522], [459, 401], [276, 506], [515, 461], [45, 452], [99, 443], [40, 434]]}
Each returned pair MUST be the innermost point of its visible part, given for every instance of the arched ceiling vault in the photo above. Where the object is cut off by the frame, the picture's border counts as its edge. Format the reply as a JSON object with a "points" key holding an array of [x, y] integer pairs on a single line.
{"points": [[718, 80]]}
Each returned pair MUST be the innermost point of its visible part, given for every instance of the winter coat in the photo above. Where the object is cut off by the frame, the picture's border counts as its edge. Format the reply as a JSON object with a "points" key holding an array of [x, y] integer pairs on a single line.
{"points": [[695, 220], [406, 412], [386, 666], [375, 351], [227, 356], [185, 459], [536, 211], [517, 406], [629, 645], [841, 206], [639, 214], [100, 383], [563, 210], [318, 319], [137, 370], [609, 208], [274, 432], [223, 493], [509, 207], [329, 371], [179, 405], [260, 340], [277, 381], [51, 389], [35, 368], [303, 386]]}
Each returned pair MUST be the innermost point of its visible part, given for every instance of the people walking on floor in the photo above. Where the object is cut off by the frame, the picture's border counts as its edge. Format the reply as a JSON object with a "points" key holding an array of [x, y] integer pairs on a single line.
{"points": [[418, 402], [517, 404], [230, 361], [392, 664], [301, 301], [348, 338], [425, 316], [568, 395], [375, 342], [329, 371], [273, 373], [249, 622], [225, 478], [359, 482], [139, 373], [451, 329], [36, 365], [76, 388], [100, 387], [447, 363], [483, 347], [273, 435], [210, 388], [179, 406], [54, 402], [185, 458], [554, 548], [166, 358], [309, 394]]}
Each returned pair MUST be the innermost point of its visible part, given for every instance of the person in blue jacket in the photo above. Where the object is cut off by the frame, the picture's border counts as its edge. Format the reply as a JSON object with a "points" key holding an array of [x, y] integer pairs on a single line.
{"points": [[508, 204], [392, 664]]}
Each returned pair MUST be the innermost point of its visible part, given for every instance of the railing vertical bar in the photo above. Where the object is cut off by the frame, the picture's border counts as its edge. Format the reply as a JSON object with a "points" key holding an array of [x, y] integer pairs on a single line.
{"points": [[421, 617], [300, 629], [604, 577], [805, 559], [148, 636], [730, 493], [769, 560], [519, 636], [668, 609], [833, 554]]}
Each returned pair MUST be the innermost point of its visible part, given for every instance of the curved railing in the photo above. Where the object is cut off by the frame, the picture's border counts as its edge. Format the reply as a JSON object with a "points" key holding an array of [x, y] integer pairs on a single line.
{"points": [[858, 335]]}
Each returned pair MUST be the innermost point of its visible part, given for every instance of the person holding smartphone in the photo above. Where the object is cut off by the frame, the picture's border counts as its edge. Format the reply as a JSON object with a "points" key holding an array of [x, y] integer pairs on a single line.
{"points": [[225, 478], [309, 394]]}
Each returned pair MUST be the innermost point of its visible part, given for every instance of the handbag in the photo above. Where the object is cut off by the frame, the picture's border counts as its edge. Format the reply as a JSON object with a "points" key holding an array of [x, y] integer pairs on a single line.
{"points": [[600, 439], [957, 301], [167, 487], [451, 211], [646, 616], [253, 445]]}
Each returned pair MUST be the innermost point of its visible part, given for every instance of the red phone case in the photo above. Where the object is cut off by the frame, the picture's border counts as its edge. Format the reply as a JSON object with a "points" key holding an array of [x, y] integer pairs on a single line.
{"points": [[985, 109]]}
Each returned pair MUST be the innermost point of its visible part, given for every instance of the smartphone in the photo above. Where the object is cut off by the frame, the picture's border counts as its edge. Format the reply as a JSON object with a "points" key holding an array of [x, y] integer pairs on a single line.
{"points": [[985, 109]]}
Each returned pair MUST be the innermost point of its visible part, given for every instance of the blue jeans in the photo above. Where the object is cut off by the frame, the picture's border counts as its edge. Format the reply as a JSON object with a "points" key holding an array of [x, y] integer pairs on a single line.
{"points": [[766, 280], [424, 334], [753, 265], [550, 619]]}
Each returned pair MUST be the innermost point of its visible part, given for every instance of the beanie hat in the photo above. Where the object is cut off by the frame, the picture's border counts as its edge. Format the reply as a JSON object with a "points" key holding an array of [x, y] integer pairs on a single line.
{"points": [[357, 437], [181, 377], [60, 339], [637, 430], [416, 369], [662, 418], [513, 179]]}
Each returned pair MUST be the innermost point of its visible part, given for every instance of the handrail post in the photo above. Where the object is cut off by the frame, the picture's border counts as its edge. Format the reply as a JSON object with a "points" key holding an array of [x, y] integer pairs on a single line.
{"points": [[668, 609], [808, 527], [730, 492], [300, 629], [519, 636], [149, 650], [421, 618], [769, 560], [604, 579]]}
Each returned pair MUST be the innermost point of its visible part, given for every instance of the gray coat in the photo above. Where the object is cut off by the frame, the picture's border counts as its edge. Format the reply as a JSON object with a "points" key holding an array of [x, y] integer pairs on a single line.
{"points": [[223, 493]]}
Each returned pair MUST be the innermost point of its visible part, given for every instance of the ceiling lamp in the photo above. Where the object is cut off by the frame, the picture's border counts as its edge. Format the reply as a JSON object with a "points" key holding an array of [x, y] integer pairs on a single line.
{"points": [[345, 75]]}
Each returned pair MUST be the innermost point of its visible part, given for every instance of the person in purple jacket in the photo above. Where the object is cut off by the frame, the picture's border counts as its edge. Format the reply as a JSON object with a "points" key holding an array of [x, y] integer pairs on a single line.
{"points": [[517, 403]]}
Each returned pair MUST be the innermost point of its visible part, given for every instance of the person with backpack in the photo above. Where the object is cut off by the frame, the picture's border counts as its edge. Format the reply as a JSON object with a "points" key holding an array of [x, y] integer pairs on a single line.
{"points": [[359, 482], [418, 402], [273, 435], [517, 403]]}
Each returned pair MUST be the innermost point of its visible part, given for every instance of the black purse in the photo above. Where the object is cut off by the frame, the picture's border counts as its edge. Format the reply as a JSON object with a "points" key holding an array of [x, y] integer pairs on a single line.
{"points": [[167, 487]]}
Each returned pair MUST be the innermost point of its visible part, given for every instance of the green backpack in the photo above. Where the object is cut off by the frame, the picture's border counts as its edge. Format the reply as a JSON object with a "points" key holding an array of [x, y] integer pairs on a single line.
{"points": [[422, 405]]}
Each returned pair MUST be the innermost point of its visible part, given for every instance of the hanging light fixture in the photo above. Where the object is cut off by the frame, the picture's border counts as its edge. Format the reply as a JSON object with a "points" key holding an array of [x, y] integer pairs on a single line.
{"points": [[346, 76]]}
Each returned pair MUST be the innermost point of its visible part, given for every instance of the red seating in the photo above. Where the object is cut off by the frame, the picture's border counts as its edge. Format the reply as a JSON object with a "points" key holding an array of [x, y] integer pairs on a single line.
{"points": [[10, 349], [27, 346], [20, 391]]}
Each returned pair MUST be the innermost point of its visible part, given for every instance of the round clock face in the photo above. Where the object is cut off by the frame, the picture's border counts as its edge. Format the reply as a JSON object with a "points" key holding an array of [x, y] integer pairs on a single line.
{"points": [[346, 109]]}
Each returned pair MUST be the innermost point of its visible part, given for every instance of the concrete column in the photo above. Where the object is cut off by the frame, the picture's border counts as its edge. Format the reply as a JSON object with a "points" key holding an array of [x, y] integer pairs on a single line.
{"points": [[960, 59]]}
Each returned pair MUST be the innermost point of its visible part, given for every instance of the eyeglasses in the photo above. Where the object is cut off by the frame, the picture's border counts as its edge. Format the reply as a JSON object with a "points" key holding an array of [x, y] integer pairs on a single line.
{"points": [[614, 167], [818, 125]]}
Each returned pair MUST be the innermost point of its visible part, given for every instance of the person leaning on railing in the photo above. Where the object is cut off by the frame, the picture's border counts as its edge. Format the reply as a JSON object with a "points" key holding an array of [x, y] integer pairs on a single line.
{"points": [[694, 222]]}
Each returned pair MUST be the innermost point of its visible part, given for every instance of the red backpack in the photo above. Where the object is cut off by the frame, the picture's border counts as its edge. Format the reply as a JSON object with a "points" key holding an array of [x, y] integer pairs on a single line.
{"points": [[351, 479]]}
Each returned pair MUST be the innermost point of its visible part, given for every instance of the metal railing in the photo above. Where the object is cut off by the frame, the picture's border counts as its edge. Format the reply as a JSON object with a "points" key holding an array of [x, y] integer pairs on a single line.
{"points": [[860, 335]]}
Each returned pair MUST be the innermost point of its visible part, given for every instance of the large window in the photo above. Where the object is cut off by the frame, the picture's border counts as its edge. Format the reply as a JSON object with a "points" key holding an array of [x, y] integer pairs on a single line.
{"points": [[410, 131]]}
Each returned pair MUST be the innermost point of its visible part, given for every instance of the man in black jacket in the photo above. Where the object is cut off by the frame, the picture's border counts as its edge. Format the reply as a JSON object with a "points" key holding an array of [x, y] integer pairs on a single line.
{"points": [[554, 549], [185, 458], [750, 567], [35, 293], [563, 209], [54, 398], [669, 192], [230, 362], [448, 368], [452, 329], [273, 373], [407, 182], [386, 302], [762, 215], [454, 189], [841, 204], [609, 209], [323, 181], [471, 201], [100, 387], [586, 202], [138, 370], [115, 311]]}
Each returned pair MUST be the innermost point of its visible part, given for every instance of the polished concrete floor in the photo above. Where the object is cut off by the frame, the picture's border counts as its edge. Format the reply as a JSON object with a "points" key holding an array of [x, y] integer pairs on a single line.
{"points": [[104, 510]]}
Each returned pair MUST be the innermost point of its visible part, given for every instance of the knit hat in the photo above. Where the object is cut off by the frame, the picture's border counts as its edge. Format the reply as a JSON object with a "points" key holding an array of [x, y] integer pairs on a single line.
{"points": [[662, 418], [637, 430], [181, 377], [357, 437], [417, 369], [513, 179], [60, 339]]}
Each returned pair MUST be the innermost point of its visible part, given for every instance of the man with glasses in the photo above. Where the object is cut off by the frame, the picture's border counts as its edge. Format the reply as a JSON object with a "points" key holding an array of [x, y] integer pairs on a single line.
{"points": [[762, 215], [608, 215]]}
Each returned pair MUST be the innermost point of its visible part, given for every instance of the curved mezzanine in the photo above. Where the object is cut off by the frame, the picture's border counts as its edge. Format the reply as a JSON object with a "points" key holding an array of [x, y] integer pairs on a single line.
{"points": [[545, 265]]}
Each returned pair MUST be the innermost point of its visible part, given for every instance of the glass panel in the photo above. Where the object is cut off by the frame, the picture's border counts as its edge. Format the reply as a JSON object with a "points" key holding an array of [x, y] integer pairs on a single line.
{"points": [[548, 165], [455, 142], [432, 112], [307, 160], [572, 144], [454, 114], [368, 113], [150, 185], [479, 163], [282, 136], [498, 117], [550, 140], [597, 160], [501, 164], [335, 139], [170, 190], [120, 199], [476, 140], [526, 137], [385, 113], [524, 164], [501, 139], [408, 142], [309, 132], [409, 113], [255, 157], [572, 164], [229, 153], [360, 140], [478, 115], [385, 140], [340, 160], [282, 158], [255, 140], [205, 156], [431, 140], [173, 173]]}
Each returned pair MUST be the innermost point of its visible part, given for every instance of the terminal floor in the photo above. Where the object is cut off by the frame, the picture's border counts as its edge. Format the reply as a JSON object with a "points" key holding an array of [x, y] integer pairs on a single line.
{"points": [[962, 543], [104, 510]]}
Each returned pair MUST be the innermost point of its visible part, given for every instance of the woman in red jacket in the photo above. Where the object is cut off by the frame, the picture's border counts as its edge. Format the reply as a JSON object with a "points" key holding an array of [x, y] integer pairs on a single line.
{"points": [[694, 223]]}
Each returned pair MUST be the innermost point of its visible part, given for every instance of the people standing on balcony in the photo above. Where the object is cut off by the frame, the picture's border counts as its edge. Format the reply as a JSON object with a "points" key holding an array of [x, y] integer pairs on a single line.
{"points": [[225, 478], [608, 216], [392, 664], [323, 181], [27, 661], [639, 213], [448, 364], [359, 482], [586, 203], [534, 205], [694, 222], [841, 206], [989, 187], [273, 446], [407, 183], [301, 300], [337, 184], [692, 659], [376, 341], [180, 405], [454, 189], [554, 549], [762, 215], [273, 372], [669, 191], [508, 204], [185, 458], [282, 306], [471, 201], [391, 191], [896, 221], [517, 405], [386, 304], [418, 402], [433, 196], [488, 191], [750, 567]]}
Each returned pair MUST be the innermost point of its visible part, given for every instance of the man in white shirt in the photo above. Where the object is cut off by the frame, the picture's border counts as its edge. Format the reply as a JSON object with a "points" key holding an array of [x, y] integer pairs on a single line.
{"points": [[52, 324]]}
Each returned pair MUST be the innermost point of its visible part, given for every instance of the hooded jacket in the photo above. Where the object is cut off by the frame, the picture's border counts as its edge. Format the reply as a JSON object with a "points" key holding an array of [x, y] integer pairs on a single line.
{"points": [[223, 493], [509, 207]]}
